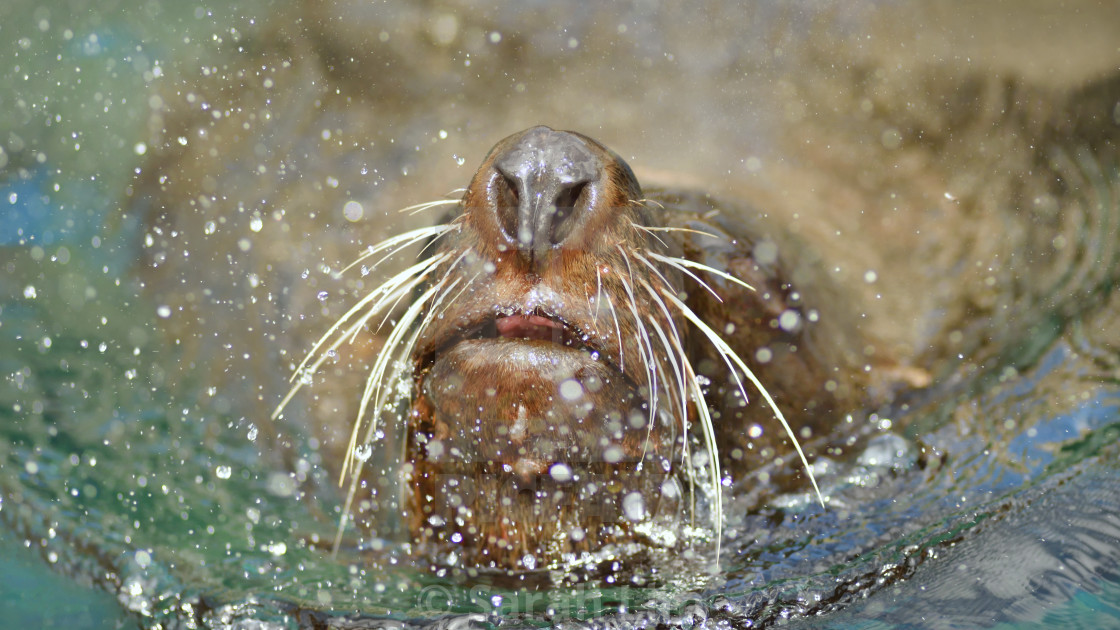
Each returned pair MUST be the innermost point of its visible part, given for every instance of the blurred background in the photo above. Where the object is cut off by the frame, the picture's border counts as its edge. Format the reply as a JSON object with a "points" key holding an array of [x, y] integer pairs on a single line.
{"points": [[162, 165]]}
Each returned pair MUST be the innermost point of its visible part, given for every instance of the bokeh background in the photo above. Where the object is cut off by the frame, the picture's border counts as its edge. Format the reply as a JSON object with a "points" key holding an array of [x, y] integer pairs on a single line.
{"points": [[142, 486]]}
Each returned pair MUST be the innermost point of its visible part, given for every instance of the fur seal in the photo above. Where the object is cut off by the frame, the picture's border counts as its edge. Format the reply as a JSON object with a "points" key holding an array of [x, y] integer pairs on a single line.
{"points": [[945, 183], [570, 345]]}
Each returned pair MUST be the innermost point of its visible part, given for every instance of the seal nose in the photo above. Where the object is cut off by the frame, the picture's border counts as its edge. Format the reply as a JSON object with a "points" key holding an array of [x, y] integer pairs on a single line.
{"points": [[550, 179]]}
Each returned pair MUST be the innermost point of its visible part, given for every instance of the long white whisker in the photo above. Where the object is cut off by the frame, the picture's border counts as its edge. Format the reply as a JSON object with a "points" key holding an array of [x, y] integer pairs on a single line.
{"points": [[401, 240], [618, 334], [677, 262], [729, 355], [394, 289], [598, 293], [377, 375], [645, 352], [656, 272], [420, 207], [644, 345], [672, 329], [706, 425], [316, 356], [393, 252], [671, 354], [389, 311], [666, 228], [452, 301], [374, 382], [685, 271], [652, 233], [713, 454]]}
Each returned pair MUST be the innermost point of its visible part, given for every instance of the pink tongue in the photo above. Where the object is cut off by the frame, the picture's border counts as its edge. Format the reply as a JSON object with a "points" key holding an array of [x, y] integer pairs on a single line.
{"points": [[529, 327]]}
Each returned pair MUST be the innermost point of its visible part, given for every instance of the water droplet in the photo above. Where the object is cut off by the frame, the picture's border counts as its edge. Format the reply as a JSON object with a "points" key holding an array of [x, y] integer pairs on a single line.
{"points": [[353, 211], [223, 471], [670, 489], [765, 253], [560, 472], [571, 390], [789, 320], [634, 507], [612, 454], [363, 452], [280, 484], [143, 559]]}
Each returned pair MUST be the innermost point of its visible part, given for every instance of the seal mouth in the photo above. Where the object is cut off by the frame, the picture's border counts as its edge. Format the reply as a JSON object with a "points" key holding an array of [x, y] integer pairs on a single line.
{"points": [[534, 326]]}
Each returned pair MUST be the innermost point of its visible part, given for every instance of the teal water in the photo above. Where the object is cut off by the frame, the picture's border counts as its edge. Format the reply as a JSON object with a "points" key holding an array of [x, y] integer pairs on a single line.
{"points": [[32, 595], [131, 499]]}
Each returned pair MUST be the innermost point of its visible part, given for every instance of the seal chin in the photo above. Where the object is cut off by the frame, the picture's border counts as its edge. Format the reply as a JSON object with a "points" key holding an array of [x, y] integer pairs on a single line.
{"points": [[503, 400], [521, 443], [520, 447]]}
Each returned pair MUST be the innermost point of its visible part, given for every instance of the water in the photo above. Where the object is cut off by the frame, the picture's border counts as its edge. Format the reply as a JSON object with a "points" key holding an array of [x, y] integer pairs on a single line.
{"points": [[139, 486]]}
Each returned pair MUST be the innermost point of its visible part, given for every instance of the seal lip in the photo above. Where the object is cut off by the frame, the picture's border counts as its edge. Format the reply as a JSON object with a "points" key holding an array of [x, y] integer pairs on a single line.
{"points": [[537, 326], [533, 325], [529, 326]]}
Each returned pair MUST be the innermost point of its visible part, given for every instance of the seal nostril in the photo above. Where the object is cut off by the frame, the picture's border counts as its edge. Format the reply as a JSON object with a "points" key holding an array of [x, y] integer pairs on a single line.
{"points": [[567, 201], [507, 202], [570, 195], [511, 188]]}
